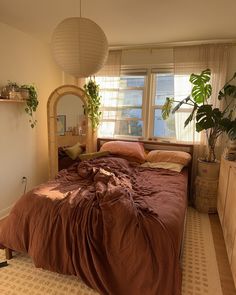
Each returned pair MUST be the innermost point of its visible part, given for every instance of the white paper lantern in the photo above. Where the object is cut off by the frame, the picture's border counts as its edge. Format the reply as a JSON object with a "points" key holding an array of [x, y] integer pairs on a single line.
{"points": [[79, 46]]}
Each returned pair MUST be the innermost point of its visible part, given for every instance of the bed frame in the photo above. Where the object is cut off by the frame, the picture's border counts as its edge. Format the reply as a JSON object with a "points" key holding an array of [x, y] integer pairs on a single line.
{"points": [[149, 145]]}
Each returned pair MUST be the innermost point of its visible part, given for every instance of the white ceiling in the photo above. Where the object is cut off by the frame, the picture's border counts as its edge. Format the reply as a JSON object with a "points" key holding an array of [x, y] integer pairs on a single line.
{"points": [[128, 22]]}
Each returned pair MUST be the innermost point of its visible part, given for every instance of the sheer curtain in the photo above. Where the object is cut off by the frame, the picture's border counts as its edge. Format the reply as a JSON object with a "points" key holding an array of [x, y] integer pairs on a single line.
{"points": [[109, 78], [194, 59]]}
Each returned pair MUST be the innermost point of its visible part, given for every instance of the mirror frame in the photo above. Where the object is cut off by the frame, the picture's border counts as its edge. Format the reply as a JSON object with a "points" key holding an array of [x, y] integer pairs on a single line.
{"points": [[52, 123]]}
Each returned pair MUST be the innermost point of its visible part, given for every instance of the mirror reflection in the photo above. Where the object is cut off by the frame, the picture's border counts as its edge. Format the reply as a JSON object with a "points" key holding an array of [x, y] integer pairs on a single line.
{"points": [[71, 129]]}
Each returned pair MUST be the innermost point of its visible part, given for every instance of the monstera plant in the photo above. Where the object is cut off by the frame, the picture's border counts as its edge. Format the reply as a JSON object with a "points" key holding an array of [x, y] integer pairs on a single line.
{"points": [[213, 121]]}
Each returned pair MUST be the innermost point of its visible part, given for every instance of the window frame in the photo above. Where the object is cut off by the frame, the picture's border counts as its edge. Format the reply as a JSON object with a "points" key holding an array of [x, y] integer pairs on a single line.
{"points": [[129, 72], [148, 101]]}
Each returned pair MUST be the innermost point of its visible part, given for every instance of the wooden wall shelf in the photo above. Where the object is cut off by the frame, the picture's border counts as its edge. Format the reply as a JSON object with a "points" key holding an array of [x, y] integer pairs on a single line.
{"points": [[11, 100]]}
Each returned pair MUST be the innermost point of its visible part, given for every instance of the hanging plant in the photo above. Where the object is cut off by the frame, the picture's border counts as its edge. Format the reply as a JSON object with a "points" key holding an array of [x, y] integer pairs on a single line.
{"points": [[31, 102], [93, 104]]}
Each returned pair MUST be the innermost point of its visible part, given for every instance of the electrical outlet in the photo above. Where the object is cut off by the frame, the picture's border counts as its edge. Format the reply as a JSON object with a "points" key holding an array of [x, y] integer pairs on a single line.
{"points": [[23, 179]]}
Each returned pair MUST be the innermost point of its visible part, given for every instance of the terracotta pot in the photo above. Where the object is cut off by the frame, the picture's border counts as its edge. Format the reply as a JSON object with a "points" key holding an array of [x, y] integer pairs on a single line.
{"points": [[208, 170]]}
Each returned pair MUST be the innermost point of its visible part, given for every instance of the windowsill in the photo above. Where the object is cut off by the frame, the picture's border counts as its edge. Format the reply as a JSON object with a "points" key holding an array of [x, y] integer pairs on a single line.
{"points": [[148, 140]]}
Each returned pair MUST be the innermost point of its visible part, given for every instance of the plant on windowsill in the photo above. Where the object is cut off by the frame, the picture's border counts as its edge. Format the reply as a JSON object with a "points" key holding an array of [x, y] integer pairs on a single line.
{"points": [[92, 109], [213, 121]]}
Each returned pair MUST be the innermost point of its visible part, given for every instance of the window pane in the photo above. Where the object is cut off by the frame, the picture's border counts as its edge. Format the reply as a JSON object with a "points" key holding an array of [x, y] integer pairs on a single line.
{"points": [[164, 88], [187, 133], [109, 98], [131, 128], [108, 82], [132, 81], [122, 113], [182, 88], [130, 98], [163, 128], [106, 129], [121, 127], [121, 98], [121, 101]]}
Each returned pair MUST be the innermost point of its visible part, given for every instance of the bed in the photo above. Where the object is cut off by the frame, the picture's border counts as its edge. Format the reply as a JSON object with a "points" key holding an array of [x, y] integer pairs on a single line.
{"points": [[114, 224]]}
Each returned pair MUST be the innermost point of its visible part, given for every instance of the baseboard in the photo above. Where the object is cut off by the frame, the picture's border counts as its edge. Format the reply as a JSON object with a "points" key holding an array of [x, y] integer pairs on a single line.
{"points": [[5, 212]]}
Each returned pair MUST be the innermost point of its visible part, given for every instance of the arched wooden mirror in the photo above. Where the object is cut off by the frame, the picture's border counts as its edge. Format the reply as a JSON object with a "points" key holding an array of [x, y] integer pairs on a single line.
{"points": [[67, 123]]}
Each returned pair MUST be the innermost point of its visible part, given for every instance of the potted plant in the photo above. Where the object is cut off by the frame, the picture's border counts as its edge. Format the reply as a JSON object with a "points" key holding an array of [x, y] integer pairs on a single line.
{"points": [[31, 102], [92, 109], [213, 121]]}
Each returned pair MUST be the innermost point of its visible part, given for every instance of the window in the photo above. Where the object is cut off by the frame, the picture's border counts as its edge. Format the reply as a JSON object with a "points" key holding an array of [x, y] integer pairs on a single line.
{"points": [[125, 103], [179, 87], [163, 86], [122, 105]]}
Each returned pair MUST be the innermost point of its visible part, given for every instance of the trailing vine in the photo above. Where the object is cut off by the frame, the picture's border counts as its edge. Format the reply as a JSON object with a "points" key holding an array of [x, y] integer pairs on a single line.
{"points": [[93, 104], [32, 103]]}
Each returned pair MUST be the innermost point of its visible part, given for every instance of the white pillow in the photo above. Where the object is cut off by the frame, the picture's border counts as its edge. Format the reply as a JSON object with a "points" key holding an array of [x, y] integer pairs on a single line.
{"points": [[165, 165]]}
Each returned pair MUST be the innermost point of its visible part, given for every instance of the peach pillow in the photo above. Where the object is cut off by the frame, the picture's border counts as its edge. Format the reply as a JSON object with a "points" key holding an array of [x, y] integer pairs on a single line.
{"points": [[178, 157], [134, 150]]}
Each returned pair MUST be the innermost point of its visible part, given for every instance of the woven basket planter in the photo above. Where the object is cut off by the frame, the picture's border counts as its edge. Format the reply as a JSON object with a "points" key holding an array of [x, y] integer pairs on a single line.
{"points": [[206, 195]]}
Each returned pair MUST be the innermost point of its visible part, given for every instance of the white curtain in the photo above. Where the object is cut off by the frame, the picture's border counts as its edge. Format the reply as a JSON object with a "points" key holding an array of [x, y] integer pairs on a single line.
{"points": [[109, 78], [194, 59]]}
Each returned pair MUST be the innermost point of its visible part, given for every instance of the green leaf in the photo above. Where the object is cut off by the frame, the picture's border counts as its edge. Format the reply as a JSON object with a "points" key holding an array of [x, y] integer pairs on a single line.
{"points": [[204, 118], [201, 92], [203, 78], [93, 102], [166, 109], [228, 90], [191, 116]]}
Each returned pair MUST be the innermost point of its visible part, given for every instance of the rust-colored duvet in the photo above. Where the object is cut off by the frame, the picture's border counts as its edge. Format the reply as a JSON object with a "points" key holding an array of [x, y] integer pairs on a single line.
{"points": [[115, 225]]}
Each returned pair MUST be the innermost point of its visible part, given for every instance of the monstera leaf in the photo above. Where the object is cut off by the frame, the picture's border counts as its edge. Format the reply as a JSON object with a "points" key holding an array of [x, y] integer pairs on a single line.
{"points": [[231, 130], [202, 88], [228, 90], [204, 77], [207, 117]]}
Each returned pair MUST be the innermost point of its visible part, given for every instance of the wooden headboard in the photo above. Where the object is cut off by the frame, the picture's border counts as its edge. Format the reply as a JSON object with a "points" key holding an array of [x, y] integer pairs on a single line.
{"points": [[154, 144], [160, 145]]}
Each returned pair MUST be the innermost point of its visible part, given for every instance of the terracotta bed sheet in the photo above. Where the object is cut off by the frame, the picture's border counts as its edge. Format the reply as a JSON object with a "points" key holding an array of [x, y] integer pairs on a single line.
{"points": [[113, 224]]}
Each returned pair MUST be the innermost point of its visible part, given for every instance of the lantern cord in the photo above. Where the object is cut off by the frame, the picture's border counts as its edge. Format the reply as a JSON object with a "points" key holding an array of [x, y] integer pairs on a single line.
{"points": [[80, 8]]}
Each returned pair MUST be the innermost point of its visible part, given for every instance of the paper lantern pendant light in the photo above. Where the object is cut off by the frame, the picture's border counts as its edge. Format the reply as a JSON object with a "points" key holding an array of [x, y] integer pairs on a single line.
{"points": [[79, 46]]}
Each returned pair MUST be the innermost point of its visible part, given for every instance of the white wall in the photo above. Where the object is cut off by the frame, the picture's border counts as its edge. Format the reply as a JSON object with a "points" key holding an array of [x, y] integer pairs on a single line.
{"points": [[23, 151]]}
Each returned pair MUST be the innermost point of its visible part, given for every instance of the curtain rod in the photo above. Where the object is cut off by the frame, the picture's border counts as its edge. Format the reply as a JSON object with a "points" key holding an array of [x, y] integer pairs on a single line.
{"points": [[172, 44]]}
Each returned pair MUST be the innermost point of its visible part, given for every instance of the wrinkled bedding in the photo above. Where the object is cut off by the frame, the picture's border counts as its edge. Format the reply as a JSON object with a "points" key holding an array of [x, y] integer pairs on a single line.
{"points": [[115, 225]]}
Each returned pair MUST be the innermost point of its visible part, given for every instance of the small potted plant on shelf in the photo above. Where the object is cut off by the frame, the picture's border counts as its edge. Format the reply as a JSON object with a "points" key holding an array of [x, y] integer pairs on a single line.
{"points": [[213, 121], [27, 93]]}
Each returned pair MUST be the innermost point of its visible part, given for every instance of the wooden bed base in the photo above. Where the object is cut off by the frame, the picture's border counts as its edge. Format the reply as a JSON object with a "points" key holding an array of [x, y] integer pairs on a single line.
{"points": [[8, 253]]}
